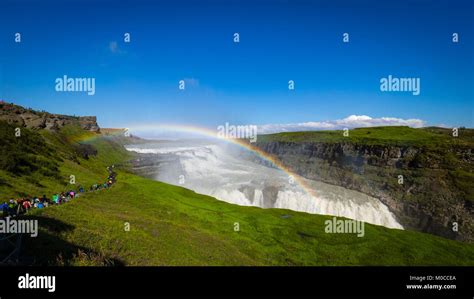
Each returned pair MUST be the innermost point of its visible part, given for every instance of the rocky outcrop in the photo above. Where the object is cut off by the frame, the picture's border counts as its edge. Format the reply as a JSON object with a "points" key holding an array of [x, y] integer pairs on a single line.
{"points": [[32, 119], [429, 196], [89, 123]]}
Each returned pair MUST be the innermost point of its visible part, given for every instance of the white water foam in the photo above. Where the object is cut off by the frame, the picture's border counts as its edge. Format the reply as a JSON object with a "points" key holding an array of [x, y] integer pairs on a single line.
{"points": [[234, 175]]}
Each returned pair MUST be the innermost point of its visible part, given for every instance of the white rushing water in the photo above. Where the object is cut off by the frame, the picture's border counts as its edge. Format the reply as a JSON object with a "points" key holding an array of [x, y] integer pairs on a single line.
{"points": [[235, 175]]}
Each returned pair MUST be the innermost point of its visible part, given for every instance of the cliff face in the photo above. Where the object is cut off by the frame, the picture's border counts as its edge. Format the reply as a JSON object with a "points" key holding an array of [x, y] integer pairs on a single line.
{"points": [[31, 119], [430, 198]]}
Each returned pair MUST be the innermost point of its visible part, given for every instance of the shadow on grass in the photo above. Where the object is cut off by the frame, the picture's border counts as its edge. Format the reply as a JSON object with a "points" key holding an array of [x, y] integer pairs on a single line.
{"points": [[49, 249], [4, 183]]}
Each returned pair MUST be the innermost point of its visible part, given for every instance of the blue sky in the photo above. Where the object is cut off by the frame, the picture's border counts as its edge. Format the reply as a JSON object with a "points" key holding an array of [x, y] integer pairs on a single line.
{"points": [[241, 83]]}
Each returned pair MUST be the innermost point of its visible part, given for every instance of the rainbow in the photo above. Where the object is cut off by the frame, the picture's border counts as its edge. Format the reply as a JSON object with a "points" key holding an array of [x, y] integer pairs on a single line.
{"points": [[87, 137], [239, 142]]}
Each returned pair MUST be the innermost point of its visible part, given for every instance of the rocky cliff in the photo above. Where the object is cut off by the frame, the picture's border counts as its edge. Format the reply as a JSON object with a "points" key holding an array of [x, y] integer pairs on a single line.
{"points": [[32, 119], [433, 193]]}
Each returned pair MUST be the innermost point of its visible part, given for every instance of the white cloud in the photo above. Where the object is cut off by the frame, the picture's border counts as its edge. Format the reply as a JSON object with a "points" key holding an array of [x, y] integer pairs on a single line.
{"points": [[352, 121]]}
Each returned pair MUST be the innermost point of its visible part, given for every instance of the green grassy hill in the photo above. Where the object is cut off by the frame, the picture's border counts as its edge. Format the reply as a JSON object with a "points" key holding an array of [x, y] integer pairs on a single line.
{"points": [[392, 135], [170, 225], [41, 161]]}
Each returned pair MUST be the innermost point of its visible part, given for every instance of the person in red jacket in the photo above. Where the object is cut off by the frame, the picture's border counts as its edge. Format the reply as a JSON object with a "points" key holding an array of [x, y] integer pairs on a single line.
{"points": [[27, 205]]}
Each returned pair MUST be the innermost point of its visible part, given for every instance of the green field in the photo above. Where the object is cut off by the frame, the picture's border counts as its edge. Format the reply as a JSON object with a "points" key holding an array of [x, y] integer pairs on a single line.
{"points": [[170, 225], [393, 135]]}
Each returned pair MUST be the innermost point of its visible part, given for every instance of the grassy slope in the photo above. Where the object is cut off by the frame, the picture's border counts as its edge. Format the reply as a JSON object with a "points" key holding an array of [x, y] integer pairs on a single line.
{"points": [[170, 225], [174, 226], [59, 149]]}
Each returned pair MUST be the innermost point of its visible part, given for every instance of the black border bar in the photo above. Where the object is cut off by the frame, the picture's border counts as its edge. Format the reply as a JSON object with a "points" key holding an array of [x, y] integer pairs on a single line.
{"points": [[240, 281]]}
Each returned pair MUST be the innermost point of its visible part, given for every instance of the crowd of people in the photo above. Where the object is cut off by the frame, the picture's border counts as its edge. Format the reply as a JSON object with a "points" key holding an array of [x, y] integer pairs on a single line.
{"points": [[15, 207]]}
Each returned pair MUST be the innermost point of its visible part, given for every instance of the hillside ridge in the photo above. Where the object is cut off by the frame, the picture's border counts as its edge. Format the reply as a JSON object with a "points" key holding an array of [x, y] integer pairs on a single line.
{"points": [[32, 119]]}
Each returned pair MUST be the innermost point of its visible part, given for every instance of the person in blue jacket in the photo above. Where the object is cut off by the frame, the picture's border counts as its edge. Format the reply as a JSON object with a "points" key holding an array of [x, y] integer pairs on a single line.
{"points": [[4, 207]]}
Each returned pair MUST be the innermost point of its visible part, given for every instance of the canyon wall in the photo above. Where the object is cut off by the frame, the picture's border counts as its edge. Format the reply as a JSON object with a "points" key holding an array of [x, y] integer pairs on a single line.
{"points": [[430, 199]]}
